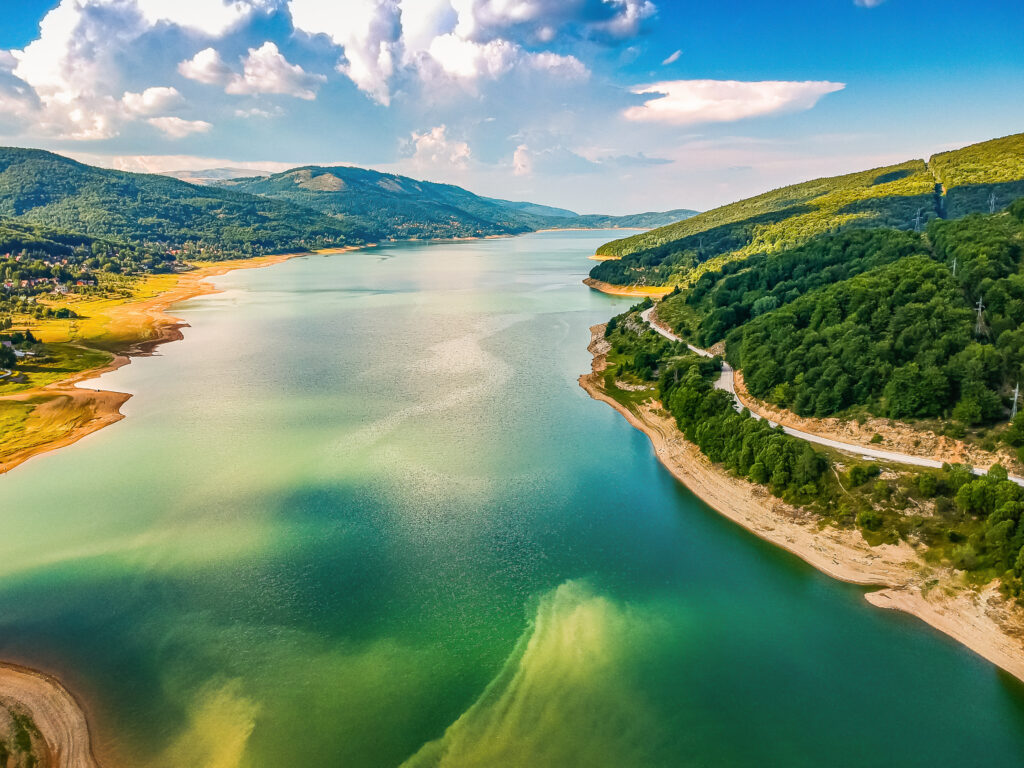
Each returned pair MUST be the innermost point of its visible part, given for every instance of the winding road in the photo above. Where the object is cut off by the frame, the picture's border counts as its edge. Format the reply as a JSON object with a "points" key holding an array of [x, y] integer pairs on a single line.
{"points": [[727, 382]]}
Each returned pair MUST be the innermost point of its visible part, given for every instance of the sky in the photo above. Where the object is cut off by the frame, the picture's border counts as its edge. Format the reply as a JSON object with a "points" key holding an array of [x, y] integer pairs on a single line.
{"points": [[601, 106]]}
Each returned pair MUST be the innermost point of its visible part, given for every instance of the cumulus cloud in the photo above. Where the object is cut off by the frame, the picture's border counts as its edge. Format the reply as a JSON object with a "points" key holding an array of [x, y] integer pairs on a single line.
{"points": [[369, 31], [152, 101], [465, 40], [689, 102], [434, 148], [206, 67], [209, 17], [265, 70], [66, 82], [177, 128], [551, 160]]}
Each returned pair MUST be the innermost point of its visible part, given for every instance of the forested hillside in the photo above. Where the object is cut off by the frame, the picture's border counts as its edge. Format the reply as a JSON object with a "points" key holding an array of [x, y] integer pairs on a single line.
{"points": [[53, 191], [880, 318], [980, 178], [389, 206]]}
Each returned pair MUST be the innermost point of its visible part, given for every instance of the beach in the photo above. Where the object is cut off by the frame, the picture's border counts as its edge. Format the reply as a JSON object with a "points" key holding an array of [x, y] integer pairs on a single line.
{"points": [[61, 724], [982, 620], [639, 291], [63, 412]]}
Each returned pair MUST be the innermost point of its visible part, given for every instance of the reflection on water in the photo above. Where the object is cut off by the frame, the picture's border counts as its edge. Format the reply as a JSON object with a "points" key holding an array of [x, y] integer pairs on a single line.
{"points": [[364, 516]]}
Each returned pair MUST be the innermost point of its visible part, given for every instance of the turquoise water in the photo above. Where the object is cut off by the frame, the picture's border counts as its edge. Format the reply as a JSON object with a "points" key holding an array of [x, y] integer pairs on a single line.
{"points": [[364, 516]]}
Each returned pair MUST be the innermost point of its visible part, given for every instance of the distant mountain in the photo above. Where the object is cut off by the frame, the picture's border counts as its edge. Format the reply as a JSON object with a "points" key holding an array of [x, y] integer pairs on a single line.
{"points": [[399, 207], [648, 220], [979, 178], [53, 191], [213, 175], [302, 208]]}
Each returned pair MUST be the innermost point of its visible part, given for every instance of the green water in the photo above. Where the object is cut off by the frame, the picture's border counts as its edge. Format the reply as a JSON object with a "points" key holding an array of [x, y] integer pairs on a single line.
{"points": [[363, 515]]}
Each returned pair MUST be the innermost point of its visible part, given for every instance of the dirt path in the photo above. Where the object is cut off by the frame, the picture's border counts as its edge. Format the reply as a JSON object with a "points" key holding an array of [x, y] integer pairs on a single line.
{"points": [[731, 381], [982, 620]]}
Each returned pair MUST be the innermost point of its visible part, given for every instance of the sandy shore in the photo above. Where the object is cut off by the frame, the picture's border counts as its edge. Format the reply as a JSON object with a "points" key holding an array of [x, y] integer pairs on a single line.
{"points": [[59, 718], [983, 621], [639, 291], [85, 411]]}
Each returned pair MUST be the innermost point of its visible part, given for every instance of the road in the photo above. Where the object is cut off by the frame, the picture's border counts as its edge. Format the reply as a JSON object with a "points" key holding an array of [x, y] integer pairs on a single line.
{"points": [[726, 382]]}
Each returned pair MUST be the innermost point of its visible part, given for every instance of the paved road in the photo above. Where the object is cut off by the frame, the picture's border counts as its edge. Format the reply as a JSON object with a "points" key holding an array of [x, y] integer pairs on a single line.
{"points": [[727, 382]]}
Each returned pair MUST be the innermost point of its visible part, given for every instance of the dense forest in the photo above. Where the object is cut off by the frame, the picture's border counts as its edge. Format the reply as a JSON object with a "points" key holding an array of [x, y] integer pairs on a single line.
{"points": [[974, 523], [903, 338], [982, 178], [388, 206], [53, 191], [910, 319]]}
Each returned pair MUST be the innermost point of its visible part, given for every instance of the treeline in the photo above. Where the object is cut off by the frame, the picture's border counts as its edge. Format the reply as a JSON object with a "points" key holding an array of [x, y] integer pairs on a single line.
{"points": [[47, 190], [903, 339], [981, 178], [742, 290], [789, 467], [976, 523]]}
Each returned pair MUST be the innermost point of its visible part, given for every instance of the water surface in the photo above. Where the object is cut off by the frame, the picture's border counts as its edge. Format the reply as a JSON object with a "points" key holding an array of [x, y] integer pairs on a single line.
{"points": [[364, 516]]}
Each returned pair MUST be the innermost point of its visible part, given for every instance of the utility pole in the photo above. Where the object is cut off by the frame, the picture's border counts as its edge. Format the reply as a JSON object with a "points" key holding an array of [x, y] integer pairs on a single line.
{"points": [[954, 266], [979, 327], [992, 203], [1016, 394], [917, 221]]}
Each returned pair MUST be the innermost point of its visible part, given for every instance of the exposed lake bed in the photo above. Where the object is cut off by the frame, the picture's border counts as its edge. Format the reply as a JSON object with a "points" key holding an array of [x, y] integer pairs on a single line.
{"points": [[363, 515]]}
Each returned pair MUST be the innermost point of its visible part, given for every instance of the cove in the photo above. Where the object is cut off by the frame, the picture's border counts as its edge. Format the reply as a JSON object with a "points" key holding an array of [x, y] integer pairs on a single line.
{"points": [[364, 516]]}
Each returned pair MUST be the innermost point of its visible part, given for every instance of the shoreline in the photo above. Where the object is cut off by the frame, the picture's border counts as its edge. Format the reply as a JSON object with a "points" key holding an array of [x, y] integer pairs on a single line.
{"points": [[636, 291], [154, 328], [57, 714], [982, 620]]}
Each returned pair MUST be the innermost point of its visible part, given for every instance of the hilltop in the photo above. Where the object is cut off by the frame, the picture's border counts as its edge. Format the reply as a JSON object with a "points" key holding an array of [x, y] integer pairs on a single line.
{"points": [[49, 190], [978, 178], [399, 207]]}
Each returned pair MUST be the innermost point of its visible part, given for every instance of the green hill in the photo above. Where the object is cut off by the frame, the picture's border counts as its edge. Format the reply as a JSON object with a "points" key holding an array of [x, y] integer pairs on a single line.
{"points": [[982, 176], [902, 196], [397, 207], [53, 191]]}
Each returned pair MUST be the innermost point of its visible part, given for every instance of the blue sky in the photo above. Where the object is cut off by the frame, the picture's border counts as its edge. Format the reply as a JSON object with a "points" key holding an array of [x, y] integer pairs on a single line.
{"points": [[597, 105]]}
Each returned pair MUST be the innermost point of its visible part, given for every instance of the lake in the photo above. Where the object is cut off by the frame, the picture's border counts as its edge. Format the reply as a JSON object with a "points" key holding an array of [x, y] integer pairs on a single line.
{"points": [[363, 515]]}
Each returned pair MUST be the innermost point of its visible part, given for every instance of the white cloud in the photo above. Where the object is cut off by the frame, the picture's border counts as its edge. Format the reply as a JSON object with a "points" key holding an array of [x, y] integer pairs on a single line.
{"points": [[266, 114], [177, 128], [464, 40], [209, 17], [672, 58], [151, 101], [433, 149], [689, 102], [265, 70], [464, 58], [522, 161], [69, 82], [166, 163], [868, 3], [369, 31], [206, 67]]}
